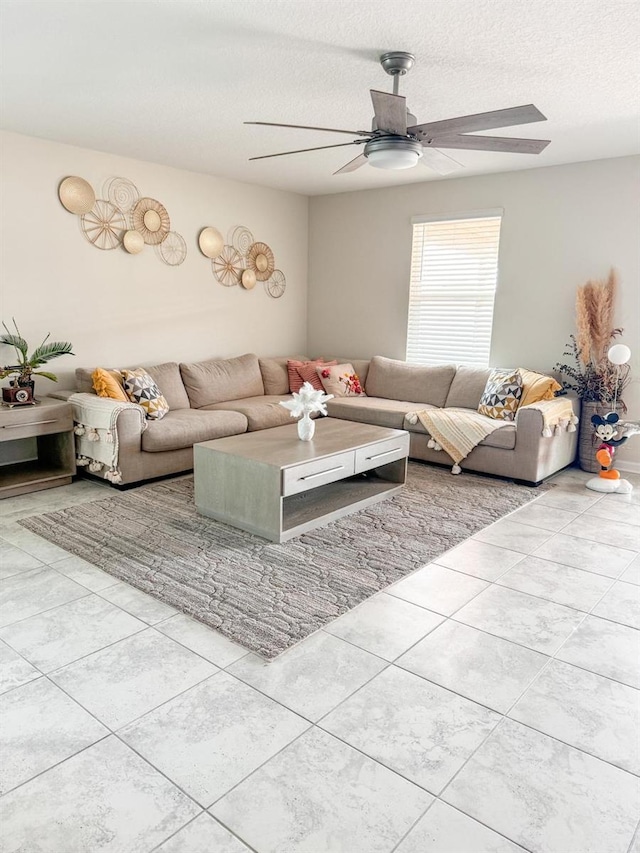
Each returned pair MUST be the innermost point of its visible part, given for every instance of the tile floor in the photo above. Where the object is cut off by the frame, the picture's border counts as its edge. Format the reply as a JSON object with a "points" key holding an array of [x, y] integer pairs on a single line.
{"points": [[486, 704]]}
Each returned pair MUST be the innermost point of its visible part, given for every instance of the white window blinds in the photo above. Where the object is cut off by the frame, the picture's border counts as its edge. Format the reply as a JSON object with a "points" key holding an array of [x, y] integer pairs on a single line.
{"points": [[454, 273]]}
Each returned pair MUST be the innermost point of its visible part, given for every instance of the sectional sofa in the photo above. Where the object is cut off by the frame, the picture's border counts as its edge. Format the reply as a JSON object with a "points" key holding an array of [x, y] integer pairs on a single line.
{"points": [[221, 397]]}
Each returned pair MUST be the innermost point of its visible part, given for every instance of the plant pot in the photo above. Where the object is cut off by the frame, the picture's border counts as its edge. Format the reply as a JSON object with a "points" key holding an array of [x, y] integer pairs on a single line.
{"points": [[588, 441]]}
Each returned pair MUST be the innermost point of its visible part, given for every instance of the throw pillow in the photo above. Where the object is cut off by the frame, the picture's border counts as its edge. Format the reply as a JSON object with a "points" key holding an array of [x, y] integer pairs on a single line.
{"points": [[341, 380], [141, 389], [537, 386], [108, 383], [501, 395], [296, 379], [309, 373]]}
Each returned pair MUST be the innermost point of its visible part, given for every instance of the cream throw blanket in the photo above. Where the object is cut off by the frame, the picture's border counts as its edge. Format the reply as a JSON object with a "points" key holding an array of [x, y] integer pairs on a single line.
{"points": [[96, 434], [458, 431]]}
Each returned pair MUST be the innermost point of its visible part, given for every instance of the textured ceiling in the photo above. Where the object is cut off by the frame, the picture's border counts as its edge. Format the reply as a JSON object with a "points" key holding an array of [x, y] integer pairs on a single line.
{"points": [[172, 82]]}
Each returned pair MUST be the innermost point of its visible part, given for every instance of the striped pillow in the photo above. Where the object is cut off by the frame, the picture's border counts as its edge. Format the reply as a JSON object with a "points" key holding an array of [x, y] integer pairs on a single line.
{"points": [[297, 377]]}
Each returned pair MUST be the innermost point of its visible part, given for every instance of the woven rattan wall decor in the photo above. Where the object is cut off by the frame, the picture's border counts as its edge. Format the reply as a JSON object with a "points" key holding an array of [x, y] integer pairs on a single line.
{"points": [[121, 218], [241, 260]]}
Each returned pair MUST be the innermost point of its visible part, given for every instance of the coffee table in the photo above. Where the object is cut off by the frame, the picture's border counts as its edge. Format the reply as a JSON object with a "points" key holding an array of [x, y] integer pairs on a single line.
{"points": [[270, 483]]}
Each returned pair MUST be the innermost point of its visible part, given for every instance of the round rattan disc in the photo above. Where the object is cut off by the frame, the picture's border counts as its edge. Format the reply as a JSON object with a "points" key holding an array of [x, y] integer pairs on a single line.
{"points": [[133, 242], [104, 225], [76, 195], [173, 249], [228, 266], [211, 242], [122, 193], [276, 285], [241, 239], [260, 259], [248, 280], [151, 219]]}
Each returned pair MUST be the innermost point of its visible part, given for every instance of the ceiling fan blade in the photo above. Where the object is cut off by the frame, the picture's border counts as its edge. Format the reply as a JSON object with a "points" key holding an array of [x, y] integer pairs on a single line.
{"points": [[438, 161], [352, 165], [481, 121], [508, 144], [391, 112], [302, 150], [306, 127]]}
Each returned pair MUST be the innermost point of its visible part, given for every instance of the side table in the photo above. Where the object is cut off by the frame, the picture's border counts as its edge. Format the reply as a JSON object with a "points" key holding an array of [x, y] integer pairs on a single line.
{"points": [[51, 453]]}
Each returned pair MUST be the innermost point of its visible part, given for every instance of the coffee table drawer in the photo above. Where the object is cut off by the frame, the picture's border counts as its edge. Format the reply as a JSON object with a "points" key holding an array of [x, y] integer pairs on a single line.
{"points": [[318, 472], [381, 453]]}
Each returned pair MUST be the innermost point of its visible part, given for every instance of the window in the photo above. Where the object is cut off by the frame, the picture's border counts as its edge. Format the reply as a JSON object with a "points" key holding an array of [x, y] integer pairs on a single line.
{"points": [[454, 273]]}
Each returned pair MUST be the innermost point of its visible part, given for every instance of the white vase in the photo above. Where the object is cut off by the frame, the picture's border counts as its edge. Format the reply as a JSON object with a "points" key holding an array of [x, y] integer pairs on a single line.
{"points": [[306, 428]]}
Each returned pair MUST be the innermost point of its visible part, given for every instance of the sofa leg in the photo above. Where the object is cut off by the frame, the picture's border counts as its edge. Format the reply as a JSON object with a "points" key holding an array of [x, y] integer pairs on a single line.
{"points": [[528, 483]]}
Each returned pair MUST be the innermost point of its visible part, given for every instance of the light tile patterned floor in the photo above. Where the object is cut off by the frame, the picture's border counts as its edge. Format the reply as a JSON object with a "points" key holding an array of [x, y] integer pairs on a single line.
{"points": [[487, 704]]}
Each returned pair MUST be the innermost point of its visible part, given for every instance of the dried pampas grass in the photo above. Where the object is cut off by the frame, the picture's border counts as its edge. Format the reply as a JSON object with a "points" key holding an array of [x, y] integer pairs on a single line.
{"points": [[594, 318]]}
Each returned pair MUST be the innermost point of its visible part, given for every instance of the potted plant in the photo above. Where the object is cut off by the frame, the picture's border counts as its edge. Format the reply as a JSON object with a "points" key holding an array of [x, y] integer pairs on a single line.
{"points": [[597, 381], [28, 365]]}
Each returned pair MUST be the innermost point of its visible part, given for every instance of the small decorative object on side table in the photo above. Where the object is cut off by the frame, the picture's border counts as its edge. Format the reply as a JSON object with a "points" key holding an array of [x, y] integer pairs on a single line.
{"points": [[306, 402], [21, 389]]}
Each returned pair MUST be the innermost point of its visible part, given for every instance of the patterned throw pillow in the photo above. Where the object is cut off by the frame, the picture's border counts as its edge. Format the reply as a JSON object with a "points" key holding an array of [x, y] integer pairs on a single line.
{"points": [[141, 389], [341, 380], [501, 395], [304, 371]]}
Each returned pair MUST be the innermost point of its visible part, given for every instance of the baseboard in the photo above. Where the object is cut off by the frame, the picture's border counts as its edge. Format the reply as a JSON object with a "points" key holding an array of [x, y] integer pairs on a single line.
{"points": [[630, 467]]}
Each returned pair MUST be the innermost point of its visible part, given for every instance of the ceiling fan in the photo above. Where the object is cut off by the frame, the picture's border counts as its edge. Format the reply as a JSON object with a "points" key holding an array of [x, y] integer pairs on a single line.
{"points": [[397, 141]]}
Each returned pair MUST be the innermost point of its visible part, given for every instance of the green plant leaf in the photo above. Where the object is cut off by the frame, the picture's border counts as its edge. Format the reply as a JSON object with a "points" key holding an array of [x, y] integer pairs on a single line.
{"points": [[47, 375], [45, 352], [17, 342]]}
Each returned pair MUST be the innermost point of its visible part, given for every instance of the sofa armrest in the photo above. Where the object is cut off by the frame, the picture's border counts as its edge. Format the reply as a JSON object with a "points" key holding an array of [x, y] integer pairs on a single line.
{"points": [[61, 393], [530, 418]]}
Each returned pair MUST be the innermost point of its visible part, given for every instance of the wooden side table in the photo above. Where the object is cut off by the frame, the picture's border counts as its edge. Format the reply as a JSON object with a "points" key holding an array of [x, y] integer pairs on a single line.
{"points": [[52, 458]]}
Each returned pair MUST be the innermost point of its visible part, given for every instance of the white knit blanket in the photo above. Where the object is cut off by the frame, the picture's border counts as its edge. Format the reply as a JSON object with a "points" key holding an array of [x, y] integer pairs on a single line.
{"points": [[97, 443], [457, 431]]}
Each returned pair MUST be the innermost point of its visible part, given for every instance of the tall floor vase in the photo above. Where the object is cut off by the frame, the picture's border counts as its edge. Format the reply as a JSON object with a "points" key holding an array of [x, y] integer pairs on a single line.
{"points": [[587, 443]]}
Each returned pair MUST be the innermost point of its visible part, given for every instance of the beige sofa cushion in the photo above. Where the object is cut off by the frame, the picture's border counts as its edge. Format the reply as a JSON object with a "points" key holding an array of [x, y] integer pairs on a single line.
{"points": [[397, 380], [261, 412], [185, 427], [166, 376], [220, 379], [467, 387], [275, 377], [373, 410]]}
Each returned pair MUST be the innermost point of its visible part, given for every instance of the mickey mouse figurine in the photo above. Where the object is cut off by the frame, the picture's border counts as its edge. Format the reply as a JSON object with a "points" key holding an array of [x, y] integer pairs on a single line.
{"points": [[608, 480]]}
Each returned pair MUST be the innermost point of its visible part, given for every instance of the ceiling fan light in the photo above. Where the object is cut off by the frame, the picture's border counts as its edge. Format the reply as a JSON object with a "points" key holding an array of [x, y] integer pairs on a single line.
{"points": [[392, 152], [393, 159]]}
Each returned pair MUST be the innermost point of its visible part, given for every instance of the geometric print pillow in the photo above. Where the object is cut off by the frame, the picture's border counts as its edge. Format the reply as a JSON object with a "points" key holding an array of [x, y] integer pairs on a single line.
{"points": [[141, 389], [502, 394]]}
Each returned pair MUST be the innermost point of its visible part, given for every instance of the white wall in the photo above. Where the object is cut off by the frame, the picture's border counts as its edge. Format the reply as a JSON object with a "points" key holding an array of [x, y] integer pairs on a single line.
{"points": [[562, 225], [121, 309]]}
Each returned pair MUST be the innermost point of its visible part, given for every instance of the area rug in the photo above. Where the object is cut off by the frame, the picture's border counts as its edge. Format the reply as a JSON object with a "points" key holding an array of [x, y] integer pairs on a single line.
{"points": [[265, 596]]}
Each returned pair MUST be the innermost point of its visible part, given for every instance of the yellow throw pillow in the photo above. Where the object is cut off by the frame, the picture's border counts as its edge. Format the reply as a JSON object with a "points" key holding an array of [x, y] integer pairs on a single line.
{"points": [[108, 383], [537, 386]]}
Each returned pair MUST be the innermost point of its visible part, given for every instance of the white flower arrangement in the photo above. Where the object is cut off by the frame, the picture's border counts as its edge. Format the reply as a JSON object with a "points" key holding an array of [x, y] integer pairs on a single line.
{"points": [[307, 401]]}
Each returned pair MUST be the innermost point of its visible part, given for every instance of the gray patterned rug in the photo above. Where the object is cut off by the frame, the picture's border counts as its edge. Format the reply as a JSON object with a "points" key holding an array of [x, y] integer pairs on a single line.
{"points": [[265, 596]]}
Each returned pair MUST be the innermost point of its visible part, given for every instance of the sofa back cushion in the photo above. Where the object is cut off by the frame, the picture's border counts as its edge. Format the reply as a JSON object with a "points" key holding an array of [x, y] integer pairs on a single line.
{"points": [[397, 380], [467, 387], [166, 376], [274, 373], [221, 379]]}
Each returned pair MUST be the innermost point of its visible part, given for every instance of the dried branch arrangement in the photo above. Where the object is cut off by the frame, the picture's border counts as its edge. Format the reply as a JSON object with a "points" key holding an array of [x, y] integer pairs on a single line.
{"points": [[592, 376]]}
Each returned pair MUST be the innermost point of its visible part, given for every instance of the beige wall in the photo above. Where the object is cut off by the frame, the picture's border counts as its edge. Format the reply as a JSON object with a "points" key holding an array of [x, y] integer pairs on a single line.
{"points": [[122, 309], [561, 226]]}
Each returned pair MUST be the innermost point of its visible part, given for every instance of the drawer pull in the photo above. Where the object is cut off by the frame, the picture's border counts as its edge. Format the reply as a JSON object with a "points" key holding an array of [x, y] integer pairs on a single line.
{"points": [[322, 473], [386, 453], [29, 423]]}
